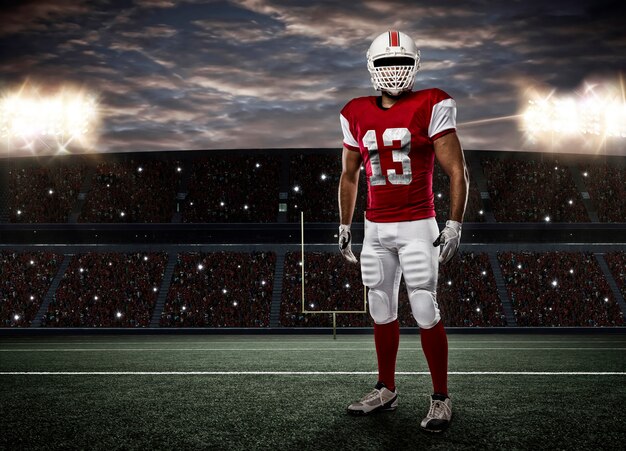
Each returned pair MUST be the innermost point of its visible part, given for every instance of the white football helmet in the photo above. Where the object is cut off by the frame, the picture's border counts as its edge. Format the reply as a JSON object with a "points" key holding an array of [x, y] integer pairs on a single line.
{"points": [[393, 61]]}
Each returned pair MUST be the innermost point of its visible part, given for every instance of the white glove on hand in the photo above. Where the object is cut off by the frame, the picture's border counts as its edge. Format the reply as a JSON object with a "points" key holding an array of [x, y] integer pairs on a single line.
{"points": [[345, 243], [449, 239]]}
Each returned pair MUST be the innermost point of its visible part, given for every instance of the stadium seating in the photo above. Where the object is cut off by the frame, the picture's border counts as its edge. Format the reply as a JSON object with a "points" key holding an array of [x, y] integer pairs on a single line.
{"points": [[532, 191], [558, 289], [237, 188], [313, 182], [607, 188], [25, 278], [221, 289], [466, 294], [474, 211], [107, 290], [331, 284], [43, 194], [132, 191], [617, 265]]}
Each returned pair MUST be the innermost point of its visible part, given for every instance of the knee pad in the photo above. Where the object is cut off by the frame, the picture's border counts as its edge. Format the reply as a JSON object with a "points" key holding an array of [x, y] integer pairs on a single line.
{"points": [[380, 310], [371, 268], [424, 307]]}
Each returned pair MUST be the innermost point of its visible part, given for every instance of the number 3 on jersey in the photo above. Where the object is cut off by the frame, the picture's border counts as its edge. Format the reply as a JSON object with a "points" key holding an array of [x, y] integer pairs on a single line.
{"points": [[400, 155]]}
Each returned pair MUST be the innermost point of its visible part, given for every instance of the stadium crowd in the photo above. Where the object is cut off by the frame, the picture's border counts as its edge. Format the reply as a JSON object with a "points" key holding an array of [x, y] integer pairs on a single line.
{"points": [[25, 278], [558, 289], [220, 289], [466, 294], [313, 181], [532, 191], [245, 188], [441, 190], [107, 290], [607, 189], [132, 192], [43, 194], [233, 189], [331, 284], [617, 264]]}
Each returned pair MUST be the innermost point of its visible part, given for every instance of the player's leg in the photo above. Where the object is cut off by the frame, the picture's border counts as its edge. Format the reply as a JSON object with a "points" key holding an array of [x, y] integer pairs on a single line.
{"points": [[381, 273], [420, 266]]}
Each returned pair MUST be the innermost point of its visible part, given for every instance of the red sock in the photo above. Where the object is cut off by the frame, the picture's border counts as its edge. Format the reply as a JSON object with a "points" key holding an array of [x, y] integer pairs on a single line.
{"points": [[435, 346], [387, 339]]}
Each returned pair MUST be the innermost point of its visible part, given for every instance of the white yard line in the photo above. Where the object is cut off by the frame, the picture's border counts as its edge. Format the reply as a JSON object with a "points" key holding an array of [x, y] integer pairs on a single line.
{"points": [[369, 349], [367, 339], [307, 373]]}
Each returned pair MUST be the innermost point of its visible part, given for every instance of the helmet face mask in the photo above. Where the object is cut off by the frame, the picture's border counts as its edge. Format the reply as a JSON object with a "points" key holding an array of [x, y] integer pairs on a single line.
{"points": [[393, 61]]}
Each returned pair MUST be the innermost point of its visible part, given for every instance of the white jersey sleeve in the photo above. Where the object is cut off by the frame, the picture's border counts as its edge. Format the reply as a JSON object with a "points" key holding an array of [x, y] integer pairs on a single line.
{"points": [[348, 138], [443, 117]]}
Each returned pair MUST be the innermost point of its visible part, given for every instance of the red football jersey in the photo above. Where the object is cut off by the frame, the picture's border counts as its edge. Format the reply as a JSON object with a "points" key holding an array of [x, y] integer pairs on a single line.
{"points": [[396, 145]]}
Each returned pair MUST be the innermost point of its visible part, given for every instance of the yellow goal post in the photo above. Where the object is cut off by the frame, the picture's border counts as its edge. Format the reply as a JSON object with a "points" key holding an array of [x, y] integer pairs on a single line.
{"points": [[334, 313]]}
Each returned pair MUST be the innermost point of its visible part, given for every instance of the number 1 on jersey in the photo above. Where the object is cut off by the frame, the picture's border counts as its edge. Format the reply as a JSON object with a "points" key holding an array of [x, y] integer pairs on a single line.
{"points": [[399, 156]]}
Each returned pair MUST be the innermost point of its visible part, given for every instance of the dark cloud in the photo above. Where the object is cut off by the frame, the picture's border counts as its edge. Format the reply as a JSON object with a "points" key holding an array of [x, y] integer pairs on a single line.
{"points": [[275, 73]]}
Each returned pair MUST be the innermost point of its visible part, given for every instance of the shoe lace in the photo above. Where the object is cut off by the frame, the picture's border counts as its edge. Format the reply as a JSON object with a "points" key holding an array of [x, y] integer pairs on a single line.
{"points": [[438, 409], [374, 394]]}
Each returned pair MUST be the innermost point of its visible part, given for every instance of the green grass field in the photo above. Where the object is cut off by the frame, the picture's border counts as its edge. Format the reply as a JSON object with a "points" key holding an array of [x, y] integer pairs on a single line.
{"points": [[252, 393]]}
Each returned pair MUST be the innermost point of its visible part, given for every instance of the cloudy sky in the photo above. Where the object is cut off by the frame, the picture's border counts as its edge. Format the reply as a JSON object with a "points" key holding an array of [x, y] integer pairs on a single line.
{"points": [[172, 75]]}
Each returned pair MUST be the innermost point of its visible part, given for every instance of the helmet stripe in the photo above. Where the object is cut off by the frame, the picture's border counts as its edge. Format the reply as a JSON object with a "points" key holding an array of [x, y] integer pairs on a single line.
{"points": [[394, 39]]}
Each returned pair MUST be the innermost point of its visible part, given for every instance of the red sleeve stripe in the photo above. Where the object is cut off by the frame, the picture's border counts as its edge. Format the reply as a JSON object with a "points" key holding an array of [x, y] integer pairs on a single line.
{"points": [[394, 39], [443, 133], [349, 147]]}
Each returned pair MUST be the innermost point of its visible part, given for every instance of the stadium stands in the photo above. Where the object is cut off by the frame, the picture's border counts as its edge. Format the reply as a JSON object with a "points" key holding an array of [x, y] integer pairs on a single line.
{"points": [[532, 191], [43, 193], [217, 189], [474, 211], [236, 188], [107, 290], [313, 182], [221, 289], [466, 294], [132, 191], [244, 187], [558, 289], [607, 188], [617, 265], [331, 284], [24, 280]]}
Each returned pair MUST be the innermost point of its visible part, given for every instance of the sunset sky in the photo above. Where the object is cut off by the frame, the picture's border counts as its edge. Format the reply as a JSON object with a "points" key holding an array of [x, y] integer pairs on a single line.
{"points": [[179, 75]]}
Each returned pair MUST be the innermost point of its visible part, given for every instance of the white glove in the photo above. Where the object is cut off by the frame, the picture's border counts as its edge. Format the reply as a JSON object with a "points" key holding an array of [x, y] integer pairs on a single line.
{"points": [[345, 243], [449, 239]]}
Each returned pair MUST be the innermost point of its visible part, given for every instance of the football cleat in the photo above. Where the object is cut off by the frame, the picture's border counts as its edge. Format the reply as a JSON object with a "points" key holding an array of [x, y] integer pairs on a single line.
{"points": [[379, 399], [439, 415]]}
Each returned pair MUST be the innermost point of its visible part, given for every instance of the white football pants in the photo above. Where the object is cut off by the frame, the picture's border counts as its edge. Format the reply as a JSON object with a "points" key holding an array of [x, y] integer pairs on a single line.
{"points": [[393, 249]]}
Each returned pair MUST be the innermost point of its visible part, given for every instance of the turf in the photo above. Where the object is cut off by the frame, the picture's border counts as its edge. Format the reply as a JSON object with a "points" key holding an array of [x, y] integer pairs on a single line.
{"points": [[251, 411]]}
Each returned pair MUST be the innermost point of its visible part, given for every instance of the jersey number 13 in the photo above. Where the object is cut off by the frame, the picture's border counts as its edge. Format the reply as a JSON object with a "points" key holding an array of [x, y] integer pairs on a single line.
{"points": [[400, 155]]}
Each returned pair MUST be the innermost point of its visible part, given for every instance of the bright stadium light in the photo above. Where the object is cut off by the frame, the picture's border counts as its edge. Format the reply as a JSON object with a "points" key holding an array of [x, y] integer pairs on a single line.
{"points": [[591, 114], [34, 120], [16, 317]]}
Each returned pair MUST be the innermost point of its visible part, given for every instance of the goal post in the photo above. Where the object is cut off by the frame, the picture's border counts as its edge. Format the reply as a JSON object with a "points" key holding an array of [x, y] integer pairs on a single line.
{"points": [[334, 313]]}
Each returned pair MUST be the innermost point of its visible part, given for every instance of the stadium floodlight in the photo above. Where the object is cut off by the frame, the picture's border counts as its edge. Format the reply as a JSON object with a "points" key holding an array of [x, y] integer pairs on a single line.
{"points": [[596, 110], [30, 119]]}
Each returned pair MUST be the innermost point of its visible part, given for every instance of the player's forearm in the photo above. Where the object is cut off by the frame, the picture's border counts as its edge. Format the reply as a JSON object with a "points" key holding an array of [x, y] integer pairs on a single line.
{"points": [[348, 187], [459, 187]]}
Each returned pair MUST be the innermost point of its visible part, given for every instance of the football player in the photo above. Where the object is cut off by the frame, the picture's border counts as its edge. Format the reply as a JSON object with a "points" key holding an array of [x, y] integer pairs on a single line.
{"points": [[396, 136]]}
